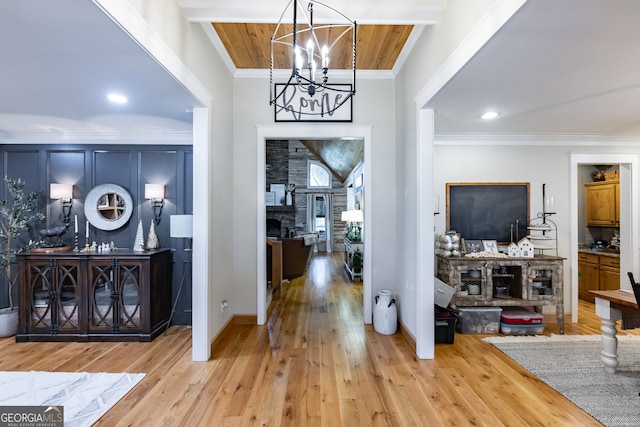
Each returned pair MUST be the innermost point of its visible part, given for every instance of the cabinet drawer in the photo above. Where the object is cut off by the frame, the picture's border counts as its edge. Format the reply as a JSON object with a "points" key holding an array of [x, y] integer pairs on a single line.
{"points": [[607, 261], [586, 257]]}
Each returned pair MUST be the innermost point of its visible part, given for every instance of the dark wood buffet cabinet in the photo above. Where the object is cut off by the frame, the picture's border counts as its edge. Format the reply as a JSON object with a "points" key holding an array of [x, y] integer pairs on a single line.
{"points": [[89, 296]]}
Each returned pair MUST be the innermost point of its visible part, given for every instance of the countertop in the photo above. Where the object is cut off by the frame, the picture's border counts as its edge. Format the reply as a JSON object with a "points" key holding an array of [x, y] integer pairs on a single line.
{"points": [[602, 253]]}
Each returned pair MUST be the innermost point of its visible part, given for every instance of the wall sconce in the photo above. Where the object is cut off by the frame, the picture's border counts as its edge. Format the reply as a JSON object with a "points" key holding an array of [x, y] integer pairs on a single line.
{"points": [[64, 192], [155, 192]]}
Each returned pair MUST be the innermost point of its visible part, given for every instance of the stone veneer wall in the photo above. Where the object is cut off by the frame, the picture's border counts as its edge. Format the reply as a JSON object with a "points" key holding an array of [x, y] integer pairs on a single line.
{"points": [[287, 163]]}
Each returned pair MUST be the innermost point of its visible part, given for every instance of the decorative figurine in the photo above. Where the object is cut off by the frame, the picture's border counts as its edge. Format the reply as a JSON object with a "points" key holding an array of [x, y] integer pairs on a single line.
{"points": [[138, 246]]}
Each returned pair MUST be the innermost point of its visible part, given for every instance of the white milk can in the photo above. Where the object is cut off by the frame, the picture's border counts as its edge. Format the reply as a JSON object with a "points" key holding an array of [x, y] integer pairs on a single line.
{"points": [[385, 314]]}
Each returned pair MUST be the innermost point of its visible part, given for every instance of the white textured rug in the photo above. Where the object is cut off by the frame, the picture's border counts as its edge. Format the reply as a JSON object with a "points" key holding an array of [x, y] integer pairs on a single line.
{"points": [[84, 396], [571, 364]]}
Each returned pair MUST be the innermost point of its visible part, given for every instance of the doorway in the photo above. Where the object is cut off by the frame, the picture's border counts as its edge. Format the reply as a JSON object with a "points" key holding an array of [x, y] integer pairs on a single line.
{"points": [[320, 219], [629, 222], [310, 131]]}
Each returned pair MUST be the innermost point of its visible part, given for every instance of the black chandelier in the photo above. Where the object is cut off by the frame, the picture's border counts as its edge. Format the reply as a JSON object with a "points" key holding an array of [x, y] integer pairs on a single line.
{"points": [[308, 92]]}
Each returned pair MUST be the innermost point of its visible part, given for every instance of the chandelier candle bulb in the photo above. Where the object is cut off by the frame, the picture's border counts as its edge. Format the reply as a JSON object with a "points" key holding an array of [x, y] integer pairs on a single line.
{"points": [[309, 51], [325, 57], [299, 60]]}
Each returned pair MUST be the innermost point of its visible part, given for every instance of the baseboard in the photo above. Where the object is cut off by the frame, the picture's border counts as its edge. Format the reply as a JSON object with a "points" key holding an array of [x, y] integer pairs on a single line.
{"points": [[245, 319], [408, 337], [237, 319]]}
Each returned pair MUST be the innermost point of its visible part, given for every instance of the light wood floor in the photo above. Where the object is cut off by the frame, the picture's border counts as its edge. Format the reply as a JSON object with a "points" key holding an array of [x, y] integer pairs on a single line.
{"points": [[315, 364]]}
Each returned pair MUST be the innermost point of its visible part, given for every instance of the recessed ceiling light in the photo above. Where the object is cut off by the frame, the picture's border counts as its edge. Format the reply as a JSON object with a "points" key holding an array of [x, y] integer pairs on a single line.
{"points": [[117, 98], [490, 115]]}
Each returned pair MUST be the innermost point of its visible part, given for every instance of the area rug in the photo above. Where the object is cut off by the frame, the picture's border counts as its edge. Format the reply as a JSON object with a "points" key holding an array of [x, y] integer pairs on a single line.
{"points": [[571, 364], [84, 396]]}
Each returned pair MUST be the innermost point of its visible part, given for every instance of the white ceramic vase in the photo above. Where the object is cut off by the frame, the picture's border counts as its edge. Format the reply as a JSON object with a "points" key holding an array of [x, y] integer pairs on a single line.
{"points": [[385, 313]]}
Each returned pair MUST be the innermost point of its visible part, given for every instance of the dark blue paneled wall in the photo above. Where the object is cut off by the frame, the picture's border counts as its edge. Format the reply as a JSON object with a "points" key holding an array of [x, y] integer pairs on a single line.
{"points": [[131, 167]]}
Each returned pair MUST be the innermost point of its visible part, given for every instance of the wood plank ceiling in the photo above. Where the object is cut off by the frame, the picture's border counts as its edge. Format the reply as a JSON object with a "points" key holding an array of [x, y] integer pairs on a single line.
{"points": [[378, 46]]}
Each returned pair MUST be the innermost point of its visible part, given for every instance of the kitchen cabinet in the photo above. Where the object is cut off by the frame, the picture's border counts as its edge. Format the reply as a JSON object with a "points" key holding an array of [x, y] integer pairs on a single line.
{"points": [[90, 296], [609, 273], [597, 273], [502, 282], [588, 275], [603, 203]]}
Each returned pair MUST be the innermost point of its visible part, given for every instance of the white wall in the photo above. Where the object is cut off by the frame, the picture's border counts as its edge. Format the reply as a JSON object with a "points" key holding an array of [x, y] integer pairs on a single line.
{"points": [[189, 42], [435, 45], [536, 163], [500, 163], [372, 106]]}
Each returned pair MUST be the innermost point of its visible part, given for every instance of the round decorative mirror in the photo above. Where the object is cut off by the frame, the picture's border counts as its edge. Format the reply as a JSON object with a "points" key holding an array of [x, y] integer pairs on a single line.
{"points": [[108, 206]]}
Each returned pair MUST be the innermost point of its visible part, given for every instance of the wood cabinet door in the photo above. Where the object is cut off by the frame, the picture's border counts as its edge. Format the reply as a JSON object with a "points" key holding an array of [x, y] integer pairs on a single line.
{"points": [[601, 205], [609, 279], [588, 280]]}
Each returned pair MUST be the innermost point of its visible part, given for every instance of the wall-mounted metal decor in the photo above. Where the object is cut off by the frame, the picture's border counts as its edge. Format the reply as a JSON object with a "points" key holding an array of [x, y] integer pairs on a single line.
{"points": [[108, 207], [298, 106]]}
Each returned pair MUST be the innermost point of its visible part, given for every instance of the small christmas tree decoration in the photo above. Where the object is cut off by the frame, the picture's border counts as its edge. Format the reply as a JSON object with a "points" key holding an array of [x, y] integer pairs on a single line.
{"points": [[138, 246], [152, 240]]}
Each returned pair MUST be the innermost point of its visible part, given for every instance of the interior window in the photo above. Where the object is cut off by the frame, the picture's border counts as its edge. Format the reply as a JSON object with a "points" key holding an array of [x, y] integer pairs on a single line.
{"points": [[319, 176]]}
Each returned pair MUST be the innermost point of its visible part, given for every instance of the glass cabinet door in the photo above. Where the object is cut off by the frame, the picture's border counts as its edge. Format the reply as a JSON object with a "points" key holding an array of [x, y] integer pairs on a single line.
{"points": [[471, 282], [114, 302], [40, 276], [542, 281], [67, 292], [129, 287], [101, 295], [54, 291]]}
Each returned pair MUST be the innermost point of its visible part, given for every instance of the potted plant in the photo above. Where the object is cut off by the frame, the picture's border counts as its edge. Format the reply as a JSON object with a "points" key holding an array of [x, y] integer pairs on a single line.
{"points": [[356, 261], [15, 216]]}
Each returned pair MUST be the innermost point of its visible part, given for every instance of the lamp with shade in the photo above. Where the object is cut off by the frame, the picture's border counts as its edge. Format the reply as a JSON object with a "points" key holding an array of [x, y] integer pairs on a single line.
{"points": [[351, 217], [181, 227]]}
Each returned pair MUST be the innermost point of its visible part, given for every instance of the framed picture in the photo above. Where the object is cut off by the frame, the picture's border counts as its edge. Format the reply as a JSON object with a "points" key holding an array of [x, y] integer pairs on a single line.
{"points": [[472, 246], [270, 198], [490, 246], [278, 190], [299, 106]]}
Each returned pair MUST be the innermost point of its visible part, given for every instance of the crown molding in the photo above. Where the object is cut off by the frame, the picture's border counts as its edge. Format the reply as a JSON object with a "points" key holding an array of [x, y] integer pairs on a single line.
{"points": [[139, 137], [529, 139]]}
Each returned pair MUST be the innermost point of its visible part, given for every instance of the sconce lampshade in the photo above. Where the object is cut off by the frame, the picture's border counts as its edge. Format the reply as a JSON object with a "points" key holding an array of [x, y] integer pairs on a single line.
{"points": [[154, 191], [61, 191], [181, 226]]}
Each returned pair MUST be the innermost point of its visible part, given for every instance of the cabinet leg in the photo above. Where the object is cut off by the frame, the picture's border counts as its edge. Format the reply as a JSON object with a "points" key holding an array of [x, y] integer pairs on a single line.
{"points": [[560, 317]]}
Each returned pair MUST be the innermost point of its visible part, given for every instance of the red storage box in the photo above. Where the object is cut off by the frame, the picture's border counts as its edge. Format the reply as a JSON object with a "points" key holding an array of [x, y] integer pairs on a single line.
{"points": [[520, 316]]}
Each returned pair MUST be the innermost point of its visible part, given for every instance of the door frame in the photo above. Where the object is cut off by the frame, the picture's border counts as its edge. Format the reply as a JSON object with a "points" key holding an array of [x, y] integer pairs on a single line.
{"points": [[629, 222], [311, 131]]}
